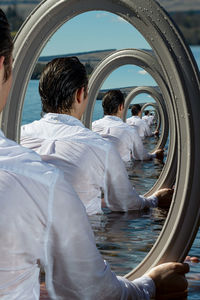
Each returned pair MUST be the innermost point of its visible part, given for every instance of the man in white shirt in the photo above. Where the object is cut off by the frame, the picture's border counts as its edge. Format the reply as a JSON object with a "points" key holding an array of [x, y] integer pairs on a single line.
{"points": [[143, 128], [43, 222], [91, 164], [124, 137], [148, 118]]}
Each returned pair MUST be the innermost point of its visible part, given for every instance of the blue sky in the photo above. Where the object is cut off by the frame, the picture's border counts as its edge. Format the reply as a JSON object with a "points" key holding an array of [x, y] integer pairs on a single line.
{"points": [[94, 31], [100, 30]]}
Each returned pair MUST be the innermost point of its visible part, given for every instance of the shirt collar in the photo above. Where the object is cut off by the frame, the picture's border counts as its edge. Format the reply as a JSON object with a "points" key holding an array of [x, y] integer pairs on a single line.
{"points": [[111, 117], [63, 118]]}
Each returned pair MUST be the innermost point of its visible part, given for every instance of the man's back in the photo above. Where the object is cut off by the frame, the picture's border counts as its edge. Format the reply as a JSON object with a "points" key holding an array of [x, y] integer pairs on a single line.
{"points": [[147, 120], [43, 223], [90, 163], [27, 194], [143, 128], [19, 251], [124, 137], [62, 141]]}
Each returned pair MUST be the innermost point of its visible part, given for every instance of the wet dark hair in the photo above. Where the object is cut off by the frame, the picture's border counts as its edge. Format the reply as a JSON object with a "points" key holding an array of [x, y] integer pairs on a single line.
{"points": [[6, 44], [135, 109], [59, 81], [111, 102], [146, 112]]}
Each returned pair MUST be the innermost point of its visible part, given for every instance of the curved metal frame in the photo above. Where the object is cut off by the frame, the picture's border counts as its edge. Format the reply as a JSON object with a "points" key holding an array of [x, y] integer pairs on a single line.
{"points": [[160, 114], [181, 76], [149, 63]]}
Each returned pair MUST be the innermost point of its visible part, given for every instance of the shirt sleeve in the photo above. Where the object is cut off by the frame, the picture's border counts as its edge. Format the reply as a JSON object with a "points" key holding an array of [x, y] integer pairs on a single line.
{"points": [[148, 131], [119, 194], [144, 288], [74, 267]]}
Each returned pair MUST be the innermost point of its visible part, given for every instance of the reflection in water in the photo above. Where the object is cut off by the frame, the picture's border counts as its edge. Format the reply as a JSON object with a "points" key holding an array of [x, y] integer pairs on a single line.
{"points": [[125, 238], [144, 174]]}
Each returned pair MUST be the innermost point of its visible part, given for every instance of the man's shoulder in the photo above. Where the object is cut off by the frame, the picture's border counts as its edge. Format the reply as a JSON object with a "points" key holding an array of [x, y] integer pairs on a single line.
{"points": [[94, 139], [131, 129], [22, 161], [29, 128], [130, 118], [141, 122], [98, 122]]}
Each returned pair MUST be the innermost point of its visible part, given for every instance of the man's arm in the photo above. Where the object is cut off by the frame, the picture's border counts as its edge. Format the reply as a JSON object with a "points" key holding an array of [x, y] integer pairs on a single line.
{"points": [[147, 130], [139, 152], [119, 195]]}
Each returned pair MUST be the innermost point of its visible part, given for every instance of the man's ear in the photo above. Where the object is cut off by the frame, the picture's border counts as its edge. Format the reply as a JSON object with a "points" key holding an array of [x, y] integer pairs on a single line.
{"points": [[121, 107], [80, 95], [2, 58]]}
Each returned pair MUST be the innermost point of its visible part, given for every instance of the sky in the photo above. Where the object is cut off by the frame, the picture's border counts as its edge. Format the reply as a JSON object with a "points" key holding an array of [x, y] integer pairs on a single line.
{"points": [[94, 31], [100, 30]]}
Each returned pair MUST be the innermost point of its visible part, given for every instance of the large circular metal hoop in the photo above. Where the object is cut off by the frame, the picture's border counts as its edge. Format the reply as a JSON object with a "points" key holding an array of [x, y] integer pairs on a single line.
{"points": [[151, 65], [158, 113], [181, 77], [160, 106]]}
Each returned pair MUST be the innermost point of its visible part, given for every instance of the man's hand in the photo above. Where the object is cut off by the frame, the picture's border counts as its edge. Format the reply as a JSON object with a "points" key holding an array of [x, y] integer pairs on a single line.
{"points": [[156, 133], [159, 154], [164, 197], [170, 281]]}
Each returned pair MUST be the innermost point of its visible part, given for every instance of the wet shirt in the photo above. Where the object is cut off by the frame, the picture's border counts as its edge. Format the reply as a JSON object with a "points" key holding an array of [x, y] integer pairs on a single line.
{"points": [[90, 164], [43, 223], [124, 137], [143, 128], [148, 119]]}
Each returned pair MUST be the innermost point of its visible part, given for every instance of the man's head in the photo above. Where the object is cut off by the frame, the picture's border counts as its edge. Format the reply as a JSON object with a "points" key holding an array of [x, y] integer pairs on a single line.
{"points": [[136, 110], [6, 45], [113, 103], [146, 112], [62, 83], [6, 48]]}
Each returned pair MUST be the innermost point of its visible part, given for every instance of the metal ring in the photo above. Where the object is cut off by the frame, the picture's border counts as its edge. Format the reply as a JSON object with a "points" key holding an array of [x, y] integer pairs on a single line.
{"points": [[157, 111], [162, 112], [148, 61]]}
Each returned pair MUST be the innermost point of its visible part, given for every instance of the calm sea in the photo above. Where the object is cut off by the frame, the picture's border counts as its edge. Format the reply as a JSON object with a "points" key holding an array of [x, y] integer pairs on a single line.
{"points": [[125, 239]]}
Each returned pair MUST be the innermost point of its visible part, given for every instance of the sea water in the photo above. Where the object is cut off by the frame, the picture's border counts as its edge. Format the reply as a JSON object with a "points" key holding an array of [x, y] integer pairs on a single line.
{"points": [[124, 239]]}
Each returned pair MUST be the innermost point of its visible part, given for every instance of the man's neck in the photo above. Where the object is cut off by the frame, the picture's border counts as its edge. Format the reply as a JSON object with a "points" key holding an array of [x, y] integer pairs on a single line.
{"points": [[114, 115], [118, 115], [73, 114]]}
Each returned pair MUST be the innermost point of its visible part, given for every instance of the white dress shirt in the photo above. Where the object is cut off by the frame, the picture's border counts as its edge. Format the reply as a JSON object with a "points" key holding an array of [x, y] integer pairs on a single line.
{"points": [[151, 117], [143, 128], [147, 119], [43, 222], [90, 163], [124, 137]]}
